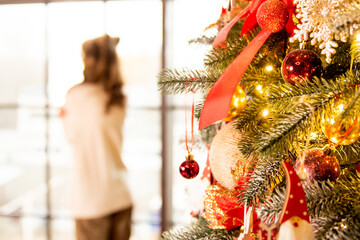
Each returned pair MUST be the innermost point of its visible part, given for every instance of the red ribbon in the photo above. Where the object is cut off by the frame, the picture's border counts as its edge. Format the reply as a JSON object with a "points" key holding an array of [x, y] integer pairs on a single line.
{"points": [[192, 126], [222, 35], [250, 22], [217, 103]]}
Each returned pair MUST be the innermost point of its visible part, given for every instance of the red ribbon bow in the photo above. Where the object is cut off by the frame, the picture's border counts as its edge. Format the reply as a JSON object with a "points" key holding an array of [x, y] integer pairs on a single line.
{"points": [[217, 103]]}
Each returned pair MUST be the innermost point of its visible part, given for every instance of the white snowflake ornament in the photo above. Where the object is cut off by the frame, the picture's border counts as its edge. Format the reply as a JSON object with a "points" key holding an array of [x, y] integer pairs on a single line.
{"points": [[325, 21]]}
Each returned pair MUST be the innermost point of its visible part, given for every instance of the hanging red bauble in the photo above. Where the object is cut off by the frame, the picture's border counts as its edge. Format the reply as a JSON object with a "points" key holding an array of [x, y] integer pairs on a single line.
{"points": [[272, 15], [189, 168], [301, 65], [319, 166], [358, 168]]}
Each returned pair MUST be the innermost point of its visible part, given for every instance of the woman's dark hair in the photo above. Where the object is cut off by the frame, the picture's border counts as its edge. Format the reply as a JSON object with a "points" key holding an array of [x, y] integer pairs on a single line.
{"points": [[101, 66]]}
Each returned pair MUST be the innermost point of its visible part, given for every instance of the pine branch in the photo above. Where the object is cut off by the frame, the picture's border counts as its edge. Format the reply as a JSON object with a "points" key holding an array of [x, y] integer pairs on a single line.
{"points": [[272, 51], [198, 108], [340, 63], [286, 97], [270, 210], [353, 108], [235, 31], [265, 176], [255, 77], [282, 134], [199, 231], [280, 98], [207, 134], [336, 198], [250, 119], [206, 39], [348, 154], [291, 109], [221, 57], [334, 229], [174, 81], [335, 207]]}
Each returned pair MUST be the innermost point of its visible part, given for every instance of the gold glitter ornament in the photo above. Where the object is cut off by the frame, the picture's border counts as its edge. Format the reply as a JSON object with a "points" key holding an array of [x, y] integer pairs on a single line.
{"points": [[222, 209], [227, 163], [237, 105], [340, 131]]}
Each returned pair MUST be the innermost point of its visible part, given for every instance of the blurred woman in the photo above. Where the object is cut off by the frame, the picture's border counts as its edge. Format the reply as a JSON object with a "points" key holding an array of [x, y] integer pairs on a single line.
{"points": [[93, 117]]}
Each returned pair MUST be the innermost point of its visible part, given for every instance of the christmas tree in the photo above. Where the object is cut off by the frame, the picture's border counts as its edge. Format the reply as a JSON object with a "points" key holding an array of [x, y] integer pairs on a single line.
{"points": [[280, 107]]}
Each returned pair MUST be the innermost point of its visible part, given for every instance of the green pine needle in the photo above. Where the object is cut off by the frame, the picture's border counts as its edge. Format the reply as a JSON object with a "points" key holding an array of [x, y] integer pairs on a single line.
{"points": [[175, 81], [199, 231]]}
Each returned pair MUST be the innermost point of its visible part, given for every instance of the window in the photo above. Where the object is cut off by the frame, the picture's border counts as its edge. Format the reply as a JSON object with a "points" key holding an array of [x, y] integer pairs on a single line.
{"points": [[188, 20], [40, 60]]}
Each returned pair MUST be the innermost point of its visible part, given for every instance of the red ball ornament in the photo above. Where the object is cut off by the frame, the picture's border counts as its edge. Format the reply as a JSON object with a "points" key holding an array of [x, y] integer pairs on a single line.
{"points": [[301, 65], [272, 15], [319, 166], [189, 168]]}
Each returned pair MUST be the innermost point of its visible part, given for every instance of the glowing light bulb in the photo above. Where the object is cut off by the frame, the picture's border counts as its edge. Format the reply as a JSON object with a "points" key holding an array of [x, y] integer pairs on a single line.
{"points": [[342, 224], [341, 107], [265, 113], [358, 37], [259, 88], [269, 68], [314, 135]]}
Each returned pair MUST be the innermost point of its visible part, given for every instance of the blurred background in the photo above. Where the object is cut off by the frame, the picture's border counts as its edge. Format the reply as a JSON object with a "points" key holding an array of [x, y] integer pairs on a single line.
{"points": [[40, 59]]}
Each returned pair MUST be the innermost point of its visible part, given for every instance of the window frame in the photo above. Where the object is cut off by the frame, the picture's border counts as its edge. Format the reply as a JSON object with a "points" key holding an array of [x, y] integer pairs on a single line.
{"points": [[164, 110]]}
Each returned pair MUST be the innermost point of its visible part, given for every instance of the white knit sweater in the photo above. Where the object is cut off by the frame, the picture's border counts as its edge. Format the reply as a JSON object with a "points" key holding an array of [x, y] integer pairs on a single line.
{"points": [[98, 184]]}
